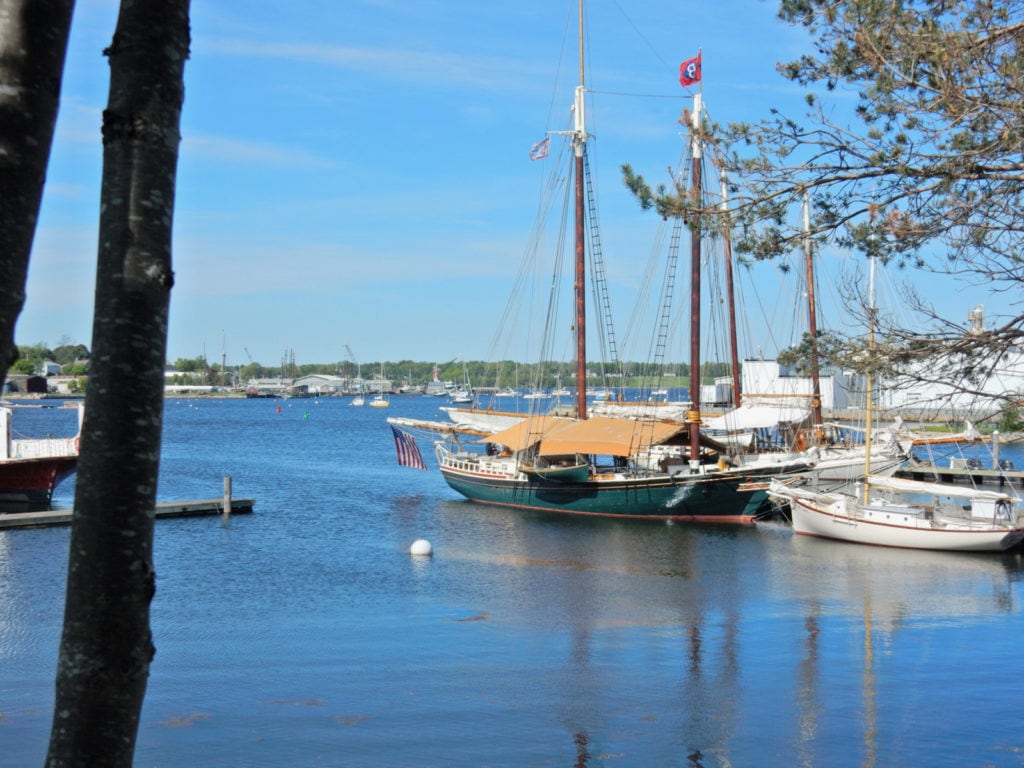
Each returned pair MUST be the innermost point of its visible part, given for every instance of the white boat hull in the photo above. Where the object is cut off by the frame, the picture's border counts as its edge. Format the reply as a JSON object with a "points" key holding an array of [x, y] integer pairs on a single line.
{"points": [[882, 524]]}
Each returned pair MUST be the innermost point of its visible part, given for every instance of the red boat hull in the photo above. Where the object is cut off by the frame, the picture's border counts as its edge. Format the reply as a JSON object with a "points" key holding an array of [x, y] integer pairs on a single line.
{"points": [[31, 481]]}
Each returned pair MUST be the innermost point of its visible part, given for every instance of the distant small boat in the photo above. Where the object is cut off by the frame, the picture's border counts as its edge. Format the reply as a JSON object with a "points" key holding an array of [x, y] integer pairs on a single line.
{"points": [[463, 393], [435, 386], [380, 400], [461, 396], [358, 400]]}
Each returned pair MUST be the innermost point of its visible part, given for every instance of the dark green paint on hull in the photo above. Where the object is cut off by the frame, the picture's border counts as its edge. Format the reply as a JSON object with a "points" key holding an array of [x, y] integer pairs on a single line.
{"points": [[713, 498]]}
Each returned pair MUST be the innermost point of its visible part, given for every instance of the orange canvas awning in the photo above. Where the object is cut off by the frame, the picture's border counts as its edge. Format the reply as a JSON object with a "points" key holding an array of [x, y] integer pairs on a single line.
{"points": [[601, 435], [527, 432], [607, 436]]}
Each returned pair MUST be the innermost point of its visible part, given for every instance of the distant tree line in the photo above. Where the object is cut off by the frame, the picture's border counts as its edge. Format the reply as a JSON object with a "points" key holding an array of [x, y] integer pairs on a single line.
{"points": [[506, 373], [74, 360]]}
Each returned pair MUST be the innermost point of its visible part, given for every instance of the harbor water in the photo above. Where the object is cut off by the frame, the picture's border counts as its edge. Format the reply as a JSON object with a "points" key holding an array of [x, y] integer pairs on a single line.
{"points": [[305, 634]]}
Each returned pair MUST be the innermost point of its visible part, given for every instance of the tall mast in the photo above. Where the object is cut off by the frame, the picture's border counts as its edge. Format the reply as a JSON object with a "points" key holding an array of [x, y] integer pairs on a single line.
{"points": [[733, 346], [869, 396], [579, 144], [693, 416], [812, 318]]}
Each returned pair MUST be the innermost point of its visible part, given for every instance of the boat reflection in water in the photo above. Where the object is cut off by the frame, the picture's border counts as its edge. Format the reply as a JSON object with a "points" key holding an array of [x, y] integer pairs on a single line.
{"points": [[722, 646], [892, 609]]}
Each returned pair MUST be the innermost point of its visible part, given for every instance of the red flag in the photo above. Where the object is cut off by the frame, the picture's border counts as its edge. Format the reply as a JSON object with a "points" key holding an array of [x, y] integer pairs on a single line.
{"points": [[689, 71]]}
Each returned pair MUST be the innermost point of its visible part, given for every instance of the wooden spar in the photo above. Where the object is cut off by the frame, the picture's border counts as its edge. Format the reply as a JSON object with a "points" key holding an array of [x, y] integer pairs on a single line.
{"points": [[870, 383], [579, 143], [693, 417], [733, 346], [581, 305], [812, 322]]}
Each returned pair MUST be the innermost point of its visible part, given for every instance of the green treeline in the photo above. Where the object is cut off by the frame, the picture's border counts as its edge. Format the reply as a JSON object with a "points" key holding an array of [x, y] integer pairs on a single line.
{"points": [[506, 373], [74, 360]]}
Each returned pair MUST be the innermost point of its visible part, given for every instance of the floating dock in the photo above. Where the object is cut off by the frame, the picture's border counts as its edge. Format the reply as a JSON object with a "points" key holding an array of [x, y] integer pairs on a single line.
{"points": [[164, 510], [1003, 478]]}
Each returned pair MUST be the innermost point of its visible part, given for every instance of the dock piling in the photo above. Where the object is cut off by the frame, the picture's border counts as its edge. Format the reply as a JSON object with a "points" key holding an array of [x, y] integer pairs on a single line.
{"points": [[227, 495]]}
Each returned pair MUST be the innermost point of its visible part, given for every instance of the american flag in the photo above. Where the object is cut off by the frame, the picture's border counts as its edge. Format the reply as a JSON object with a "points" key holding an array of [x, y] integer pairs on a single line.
{"points": [[540, 150], [408, 454]]}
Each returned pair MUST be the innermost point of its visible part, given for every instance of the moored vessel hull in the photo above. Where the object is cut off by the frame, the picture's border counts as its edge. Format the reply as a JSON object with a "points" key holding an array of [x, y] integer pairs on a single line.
{"points": [[895, 527], [707, 498], [32, 481]]}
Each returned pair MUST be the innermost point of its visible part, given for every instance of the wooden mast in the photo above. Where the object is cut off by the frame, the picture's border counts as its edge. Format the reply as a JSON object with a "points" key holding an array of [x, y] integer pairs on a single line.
{"points": [[693, 416], [733, 345], [869, 395], [579, 144], [812, 323]]}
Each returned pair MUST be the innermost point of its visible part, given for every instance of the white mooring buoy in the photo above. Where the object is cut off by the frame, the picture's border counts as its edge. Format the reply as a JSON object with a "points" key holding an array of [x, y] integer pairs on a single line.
{"points": [[421, 547]]}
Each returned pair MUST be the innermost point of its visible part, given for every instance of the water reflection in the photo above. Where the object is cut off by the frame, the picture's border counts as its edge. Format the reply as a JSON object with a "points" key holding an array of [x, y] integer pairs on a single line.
{"points": [[900, 585], [706, 614], [895, 591], [870, 693], [608, 643], [582, 755], [807, 688], [671, 598]]}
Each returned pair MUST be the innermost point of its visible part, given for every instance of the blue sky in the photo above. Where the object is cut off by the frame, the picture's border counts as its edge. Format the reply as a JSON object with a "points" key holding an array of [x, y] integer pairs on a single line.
{"points": [[355, 172]]}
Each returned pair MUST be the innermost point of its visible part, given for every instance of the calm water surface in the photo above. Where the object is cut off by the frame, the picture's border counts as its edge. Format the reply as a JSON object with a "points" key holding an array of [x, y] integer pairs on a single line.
{"points": [[305, 635]]}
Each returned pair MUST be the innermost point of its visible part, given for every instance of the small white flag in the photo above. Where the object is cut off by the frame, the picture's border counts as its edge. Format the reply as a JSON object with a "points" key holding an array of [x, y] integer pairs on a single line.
{"points": [[540, 150]]}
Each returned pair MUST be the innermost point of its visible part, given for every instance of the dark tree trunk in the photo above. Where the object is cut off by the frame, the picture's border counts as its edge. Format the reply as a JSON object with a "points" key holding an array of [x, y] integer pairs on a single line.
{"points": [[33, 43], [106, 646]]}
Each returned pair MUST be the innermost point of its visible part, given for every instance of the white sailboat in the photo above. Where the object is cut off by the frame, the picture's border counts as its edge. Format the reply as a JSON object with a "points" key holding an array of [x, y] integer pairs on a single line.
{"points": [[895, 512], [463, 393], [380, 400], [358, 400]]}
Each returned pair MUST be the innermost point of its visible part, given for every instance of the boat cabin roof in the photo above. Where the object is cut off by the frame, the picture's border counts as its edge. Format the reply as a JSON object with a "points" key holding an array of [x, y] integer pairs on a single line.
{"points": [[600, 435]]}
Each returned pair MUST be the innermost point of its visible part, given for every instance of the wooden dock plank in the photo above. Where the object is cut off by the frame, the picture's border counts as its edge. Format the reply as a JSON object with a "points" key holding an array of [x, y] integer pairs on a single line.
{"points": [[164, 510]]}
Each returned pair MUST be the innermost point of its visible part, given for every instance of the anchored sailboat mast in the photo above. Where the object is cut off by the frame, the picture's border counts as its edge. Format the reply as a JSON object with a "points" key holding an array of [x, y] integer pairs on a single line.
{"points": [[812, 309], [693, 417], [579, 144]]}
